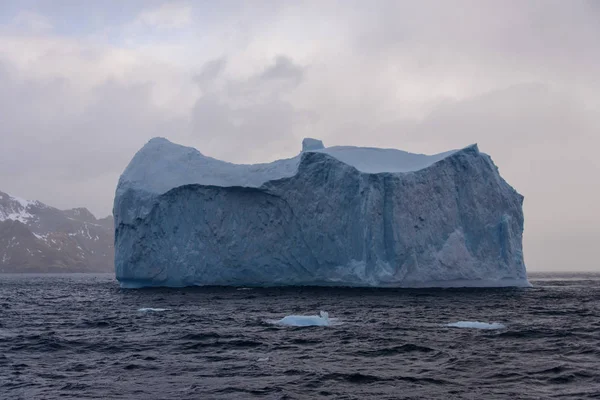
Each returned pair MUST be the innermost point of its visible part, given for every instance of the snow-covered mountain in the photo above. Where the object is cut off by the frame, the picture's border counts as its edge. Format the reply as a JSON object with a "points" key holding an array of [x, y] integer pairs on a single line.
{"points": [[35, 237]]}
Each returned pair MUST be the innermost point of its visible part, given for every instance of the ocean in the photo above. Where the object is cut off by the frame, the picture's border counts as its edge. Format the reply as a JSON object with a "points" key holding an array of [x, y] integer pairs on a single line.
{"points": [[79, 336]]}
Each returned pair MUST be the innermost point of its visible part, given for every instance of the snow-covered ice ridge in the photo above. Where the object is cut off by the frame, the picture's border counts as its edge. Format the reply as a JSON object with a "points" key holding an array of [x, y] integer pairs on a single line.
{"points": [[336, 216]]}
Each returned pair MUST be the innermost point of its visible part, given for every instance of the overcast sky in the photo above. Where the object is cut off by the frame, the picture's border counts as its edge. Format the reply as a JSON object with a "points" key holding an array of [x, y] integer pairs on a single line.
{"points": [[83, 85]]}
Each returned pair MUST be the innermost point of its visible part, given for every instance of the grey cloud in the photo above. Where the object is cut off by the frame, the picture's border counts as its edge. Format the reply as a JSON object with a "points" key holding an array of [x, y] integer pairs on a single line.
{"points": [[521, 115], [532, 39], [209, 72], [247, 119], [48, 140], [270, 85], [283, 69], [249, 134]]}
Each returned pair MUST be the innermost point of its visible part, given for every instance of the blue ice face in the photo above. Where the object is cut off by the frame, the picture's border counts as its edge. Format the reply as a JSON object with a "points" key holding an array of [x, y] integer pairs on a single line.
{"points": [[331, 216]]}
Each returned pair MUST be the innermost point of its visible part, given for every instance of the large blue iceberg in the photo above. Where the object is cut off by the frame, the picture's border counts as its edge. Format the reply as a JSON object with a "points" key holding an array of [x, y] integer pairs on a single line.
{"points": [[337, 216]]}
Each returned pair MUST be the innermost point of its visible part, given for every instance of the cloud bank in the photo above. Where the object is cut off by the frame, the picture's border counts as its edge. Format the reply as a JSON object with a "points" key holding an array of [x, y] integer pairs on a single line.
{"points": [[83, 86]]}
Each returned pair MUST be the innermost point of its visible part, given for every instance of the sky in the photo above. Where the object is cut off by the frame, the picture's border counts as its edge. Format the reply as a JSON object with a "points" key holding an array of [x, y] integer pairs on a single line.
{"points": [[83, 85]]}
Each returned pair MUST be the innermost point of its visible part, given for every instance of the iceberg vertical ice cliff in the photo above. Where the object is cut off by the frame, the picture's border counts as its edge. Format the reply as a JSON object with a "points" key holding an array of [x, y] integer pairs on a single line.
{"points": [[343, 216]]}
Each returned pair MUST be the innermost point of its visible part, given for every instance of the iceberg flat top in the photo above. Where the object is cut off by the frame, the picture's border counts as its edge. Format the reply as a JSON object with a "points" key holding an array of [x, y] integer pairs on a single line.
{"points": [[162, 165]]}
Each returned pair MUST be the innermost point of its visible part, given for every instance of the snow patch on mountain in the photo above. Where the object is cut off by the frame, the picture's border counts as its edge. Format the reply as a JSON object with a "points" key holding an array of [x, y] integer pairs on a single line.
{"points": [[15, 209], [37, 238]]}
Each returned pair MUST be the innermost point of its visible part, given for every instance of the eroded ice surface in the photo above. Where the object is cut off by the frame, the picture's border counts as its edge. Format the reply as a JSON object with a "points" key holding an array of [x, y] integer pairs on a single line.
{"points": [[338, 216]]}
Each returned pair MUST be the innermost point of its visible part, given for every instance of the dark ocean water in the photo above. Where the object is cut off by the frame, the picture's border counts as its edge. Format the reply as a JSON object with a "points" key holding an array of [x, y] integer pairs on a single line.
{"points": [[80, 336]]}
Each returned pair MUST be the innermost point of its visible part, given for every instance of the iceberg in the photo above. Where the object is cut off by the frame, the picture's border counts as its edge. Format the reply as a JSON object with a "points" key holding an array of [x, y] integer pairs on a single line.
{"points": [[331, 216]]}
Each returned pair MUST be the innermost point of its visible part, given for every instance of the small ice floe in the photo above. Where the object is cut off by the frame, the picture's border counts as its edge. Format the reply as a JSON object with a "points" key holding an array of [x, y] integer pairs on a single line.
{"points": [[304, 320], [476, 325], [148, 309]]}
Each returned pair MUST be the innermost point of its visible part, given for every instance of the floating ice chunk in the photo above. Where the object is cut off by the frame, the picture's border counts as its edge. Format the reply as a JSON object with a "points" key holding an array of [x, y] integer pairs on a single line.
{"points": [[148, 309], [305, 320], [476, 325]]}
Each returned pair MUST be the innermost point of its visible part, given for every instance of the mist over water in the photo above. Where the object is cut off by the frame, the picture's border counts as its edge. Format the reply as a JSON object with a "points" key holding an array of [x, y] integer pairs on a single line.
{"points": [[81, 336]]}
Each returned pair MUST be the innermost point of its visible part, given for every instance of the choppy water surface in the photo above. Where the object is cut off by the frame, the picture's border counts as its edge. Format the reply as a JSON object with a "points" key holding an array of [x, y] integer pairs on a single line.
{"points": [[80, 336]]}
